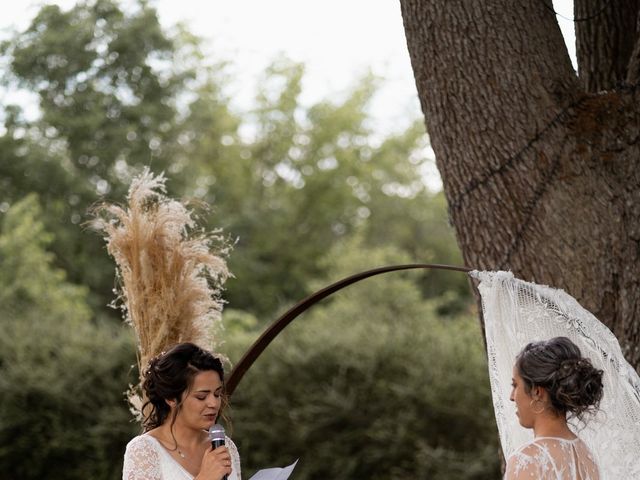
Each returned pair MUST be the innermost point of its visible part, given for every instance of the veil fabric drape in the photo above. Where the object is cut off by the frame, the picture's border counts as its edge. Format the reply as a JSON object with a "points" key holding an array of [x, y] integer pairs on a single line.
{"points": [[516, 313]]}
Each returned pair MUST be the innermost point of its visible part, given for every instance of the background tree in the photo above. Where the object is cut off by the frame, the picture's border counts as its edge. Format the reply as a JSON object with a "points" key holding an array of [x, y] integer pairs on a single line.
{"points": [[310, 193], [107, 99], [540, 165], [401, 391], [61, 375], [286, 181]]}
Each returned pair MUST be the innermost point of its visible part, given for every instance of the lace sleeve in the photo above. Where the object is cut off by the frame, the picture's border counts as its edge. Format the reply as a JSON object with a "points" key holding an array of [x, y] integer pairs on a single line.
{"points": [[235, 459], [523, 465], [141, 461]]}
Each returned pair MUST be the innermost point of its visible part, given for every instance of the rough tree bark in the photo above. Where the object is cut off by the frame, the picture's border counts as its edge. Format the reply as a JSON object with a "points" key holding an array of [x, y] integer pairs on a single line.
{"points": [[541, 167], [606, 32]]}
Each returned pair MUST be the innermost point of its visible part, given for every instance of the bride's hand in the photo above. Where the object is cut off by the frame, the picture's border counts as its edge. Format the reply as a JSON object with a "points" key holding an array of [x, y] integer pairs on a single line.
{"points": [[215, 464]]}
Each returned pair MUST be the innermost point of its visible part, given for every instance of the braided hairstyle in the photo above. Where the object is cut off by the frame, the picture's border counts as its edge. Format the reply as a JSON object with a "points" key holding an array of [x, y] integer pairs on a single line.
{"points": [[169, 375], [557, 365]]}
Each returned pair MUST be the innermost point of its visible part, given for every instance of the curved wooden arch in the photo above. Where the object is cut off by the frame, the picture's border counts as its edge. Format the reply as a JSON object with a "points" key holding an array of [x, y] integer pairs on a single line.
{"points": [[285, 319]]}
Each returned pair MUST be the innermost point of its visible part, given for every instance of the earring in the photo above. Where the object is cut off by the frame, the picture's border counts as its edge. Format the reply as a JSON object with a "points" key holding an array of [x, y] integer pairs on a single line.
{"points": [[544, 407]]}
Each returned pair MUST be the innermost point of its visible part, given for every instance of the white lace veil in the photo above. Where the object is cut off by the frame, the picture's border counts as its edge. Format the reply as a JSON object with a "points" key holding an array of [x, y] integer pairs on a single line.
{"points": [[516, 313]]}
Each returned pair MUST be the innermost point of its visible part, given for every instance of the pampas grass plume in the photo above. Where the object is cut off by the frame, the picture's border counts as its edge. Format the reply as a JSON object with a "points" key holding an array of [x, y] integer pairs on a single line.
{"points": [[170, 276]]}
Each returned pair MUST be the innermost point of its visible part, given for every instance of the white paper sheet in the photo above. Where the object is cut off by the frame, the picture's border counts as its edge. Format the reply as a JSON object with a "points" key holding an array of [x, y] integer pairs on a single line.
{"points": [[274, 473]]}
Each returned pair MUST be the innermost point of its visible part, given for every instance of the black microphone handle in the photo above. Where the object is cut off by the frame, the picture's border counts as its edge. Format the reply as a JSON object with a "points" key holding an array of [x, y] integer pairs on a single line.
{"points": [[215, 444]]}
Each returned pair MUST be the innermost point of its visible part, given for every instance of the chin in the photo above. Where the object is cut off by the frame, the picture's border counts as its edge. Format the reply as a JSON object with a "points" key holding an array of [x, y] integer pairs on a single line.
{"points": [[525, 424]]}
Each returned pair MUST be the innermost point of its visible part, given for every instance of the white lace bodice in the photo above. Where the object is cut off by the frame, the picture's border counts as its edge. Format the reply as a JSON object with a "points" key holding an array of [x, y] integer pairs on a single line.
{"points": [[146, 459], [548, 458]]}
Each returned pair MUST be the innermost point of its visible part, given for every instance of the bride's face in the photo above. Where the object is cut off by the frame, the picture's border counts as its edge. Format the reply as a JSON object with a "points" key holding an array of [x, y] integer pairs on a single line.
{"points": [[201, 403], [522, 399]]}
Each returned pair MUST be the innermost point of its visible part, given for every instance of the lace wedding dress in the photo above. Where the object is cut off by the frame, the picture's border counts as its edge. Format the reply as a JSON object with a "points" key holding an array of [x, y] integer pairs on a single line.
{"points": [[146, 459], [516, 313], [553, 458]]}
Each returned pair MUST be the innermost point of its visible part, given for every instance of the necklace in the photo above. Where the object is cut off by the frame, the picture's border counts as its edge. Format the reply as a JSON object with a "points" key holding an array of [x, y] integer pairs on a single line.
{"points": [[180, 453]]}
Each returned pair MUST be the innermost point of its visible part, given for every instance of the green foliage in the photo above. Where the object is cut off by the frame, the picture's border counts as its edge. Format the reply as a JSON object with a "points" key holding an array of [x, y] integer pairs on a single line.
{"points": [[304, 179], [419, 227], [393, 368], [373, 384], [107, 95], [26, 272], [286, 181], [96, 70], [62, 410]]}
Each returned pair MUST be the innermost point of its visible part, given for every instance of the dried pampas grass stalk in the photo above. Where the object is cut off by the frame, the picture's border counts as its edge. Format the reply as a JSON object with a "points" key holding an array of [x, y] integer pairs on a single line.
{"points": [[170, 276]]}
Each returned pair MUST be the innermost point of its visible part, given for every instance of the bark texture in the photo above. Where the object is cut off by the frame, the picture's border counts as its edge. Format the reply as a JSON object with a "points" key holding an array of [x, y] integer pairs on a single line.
{"points": [[606, 32], [541, 173]]}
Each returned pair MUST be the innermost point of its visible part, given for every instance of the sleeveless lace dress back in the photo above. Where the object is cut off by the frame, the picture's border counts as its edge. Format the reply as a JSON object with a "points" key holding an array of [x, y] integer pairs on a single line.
{"points": [[549, 458], [146, 459]]}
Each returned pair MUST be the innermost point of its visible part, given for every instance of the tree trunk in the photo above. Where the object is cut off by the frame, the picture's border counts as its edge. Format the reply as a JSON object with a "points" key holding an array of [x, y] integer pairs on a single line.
{"points": [[542, 173], [606, 31]]}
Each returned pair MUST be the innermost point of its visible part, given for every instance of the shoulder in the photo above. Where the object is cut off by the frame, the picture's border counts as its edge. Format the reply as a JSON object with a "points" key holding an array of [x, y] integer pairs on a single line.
{"points": [[527, 462], [141, 459], [141, 443], [233, 450], [531, 449], [235, 458], [229, 444]]}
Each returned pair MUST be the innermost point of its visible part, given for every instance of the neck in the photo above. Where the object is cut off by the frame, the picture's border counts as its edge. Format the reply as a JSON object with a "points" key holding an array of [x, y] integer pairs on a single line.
{"points": [[178, 432], [549, 425]]}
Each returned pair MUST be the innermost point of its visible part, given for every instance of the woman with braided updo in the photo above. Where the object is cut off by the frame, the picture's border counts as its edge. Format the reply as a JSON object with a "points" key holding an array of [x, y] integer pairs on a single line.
{"points": [[552, 382], [184, 388]]}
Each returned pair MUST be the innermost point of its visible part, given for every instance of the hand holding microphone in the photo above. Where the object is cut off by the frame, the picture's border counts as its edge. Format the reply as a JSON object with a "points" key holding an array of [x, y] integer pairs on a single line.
{"points": [[216, 463]]}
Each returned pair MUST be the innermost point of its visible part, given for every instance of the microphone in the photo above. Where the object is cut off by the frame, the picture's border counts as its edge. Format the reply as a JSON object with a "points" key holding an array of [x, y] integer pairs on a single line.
{"points": [[216, 435]]}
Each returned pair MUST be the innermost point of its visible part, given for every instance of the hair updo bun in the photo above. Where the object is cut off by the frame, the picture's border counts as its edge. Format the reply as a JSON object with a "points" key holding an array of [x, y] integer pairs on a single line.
{"points": [[169, 374], [151, 380], [557, 365]]}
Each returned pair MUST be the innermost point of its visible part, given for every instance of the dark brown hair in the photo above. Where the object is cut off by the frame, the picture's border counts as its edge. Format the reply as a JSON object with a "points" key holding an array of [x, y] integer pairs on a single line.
{"points": [[169, 375], [557, 365]]}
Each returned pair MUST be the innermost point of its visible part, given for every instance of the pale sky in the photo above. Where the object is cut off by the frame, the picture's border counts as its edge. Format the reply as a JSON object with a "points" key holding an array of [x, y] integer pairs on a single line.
{"points": [[338, 40]]}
